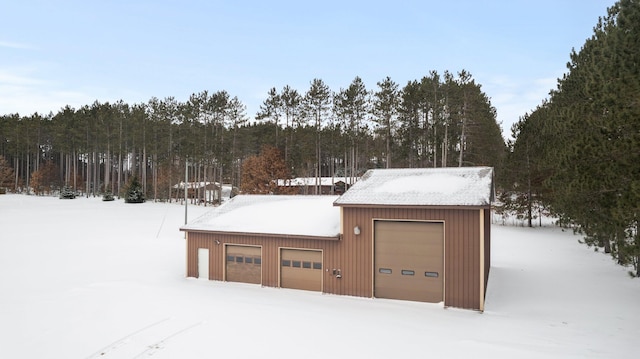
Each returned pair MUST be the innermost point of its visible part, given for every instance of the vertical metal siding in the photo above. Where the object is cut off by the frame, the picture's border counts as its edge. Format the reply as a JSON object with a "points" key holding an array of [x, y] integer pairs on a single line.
{"points": [[356, 256], [270, 257], [487, 247], [462, 251], [353, 255]]}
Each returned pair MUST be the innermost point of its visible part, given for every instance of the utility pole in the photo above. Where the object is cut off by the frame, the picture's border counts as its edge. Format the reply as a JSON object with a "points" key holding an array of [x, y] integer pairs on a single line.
{"points": [[186, 177]]}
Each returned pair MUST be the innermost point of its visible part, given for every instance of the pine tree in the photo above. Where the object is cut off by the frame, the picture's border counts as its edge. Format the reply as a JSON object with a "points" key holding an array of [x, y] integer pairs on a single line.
{"points": [[385, 111], [271, 110], [590, 137], [351, 107], [410, 135], [67, 193], [237, 118], [523, 187], [133, 192], [317, 107], [291, 108]]}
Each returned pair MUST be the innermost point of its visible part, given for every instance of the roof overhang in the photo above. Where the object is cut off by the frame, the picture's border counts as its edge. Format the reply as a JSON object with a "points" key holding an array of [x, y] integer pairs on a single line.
{"points": [[272, 235], [364, 205]]}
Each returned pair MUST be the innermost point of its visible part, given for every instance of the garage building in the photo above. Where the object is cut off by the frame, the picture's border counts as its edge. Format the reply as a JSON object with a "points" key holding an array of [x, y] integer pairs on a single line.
{"points": [[407, 234]]}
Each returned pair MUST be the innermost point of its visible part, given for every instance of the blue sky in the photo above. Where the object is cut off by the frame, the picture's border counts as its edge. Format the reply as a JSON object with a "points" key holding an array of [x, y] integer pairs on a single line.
{"points": [[54, 53]]}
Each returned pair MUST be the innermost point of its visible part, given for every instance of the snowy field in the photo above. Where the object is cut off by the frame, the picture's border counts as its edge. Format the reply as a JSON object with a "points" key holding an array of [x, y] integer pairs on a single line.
{"points": [[84, 278]]}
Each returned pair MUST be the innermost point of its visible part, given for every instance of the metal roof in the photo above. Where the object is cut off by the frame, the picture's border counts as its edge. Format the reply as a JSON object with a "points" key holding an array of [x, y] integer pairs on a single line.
{"points": [[449, 186], [273, 214]]}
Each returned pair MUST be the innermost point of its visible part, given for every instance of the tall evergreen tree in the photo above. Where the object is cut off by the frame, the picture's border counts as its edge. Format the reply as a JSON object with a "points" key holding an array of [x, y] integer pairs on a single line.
{"points": [[409, 118], [525, 193], [271, 110], [291, 108], [237, 119], [385, 111], [317, 108], [351, 107], [432, 121], [590, 133]]}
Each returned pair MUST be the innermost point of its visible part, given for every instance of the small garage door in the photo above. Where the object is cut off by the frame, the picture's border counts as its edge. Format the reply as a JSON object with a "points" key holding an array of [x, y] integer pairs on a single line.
{"points": [[301, 269], [244, 264], [409, 261]]}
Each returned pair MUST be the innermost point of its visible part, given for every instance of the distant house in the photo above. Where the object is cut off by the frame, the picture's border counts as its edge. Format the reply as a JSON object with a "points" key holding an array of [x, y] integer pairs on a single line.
{"points": [[409, 234], [210, 192], [319, 185]]}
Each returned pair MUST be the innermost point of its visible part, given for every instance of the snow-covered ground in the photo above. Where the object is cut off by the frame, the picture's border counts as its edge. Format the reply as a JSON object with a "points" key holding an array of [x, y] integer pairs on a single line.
{"points": [[84, 278]]}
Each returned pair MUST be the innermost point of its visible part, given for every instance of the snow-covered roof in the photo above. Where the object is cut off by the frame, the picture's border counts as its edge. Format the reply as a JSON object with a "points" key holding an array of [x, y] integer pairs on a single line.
{"points": [[273, 214], [450, 186], [195, 184], [312, 181]]}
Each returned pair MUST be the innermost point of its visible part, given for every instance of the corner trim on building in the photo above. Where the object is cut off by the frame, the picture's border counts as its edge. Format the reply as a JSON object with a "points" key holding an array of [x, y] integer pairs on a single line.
{"points": [[482, 274]]}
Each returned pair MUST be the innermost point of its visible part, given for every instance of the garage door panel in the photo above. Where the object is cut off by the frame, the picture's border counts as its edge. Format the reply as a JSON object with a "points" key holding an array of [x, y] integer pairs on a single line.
{"points": [[296, 279], [429, 290], [398, 286], [244, 264], [299, 254], [409, 260], [244, 250], [301, 269]]}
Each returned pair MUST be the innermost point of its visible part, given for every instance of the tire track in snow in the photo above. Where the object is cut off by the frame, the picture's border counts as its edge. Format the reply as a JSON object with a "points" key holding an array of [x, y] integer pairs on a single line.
{"points": [[122, 341], [153, 348]]}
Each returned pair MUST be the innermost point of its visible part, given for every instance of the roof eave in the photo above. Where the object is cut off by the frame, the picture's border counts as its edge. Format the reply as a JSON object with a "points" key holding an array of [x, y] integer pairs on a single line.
{"points": [[254, 234], [412, 206]]}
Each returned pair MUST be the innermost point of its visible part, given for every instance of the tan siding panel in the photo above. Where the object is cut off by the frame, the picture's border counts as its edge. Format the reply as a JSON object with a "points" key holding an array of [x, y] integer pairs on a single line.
{"points": [[353, 254], [461, 275], [356, 257], [270, 249]]}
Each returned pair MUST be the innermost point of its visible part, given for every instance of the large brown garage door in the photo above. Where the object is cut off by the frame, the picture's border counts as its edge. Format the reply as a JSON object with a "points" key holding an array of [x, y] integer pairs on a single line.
{"points": [[408, 260], [301, 269], [244, 264]]}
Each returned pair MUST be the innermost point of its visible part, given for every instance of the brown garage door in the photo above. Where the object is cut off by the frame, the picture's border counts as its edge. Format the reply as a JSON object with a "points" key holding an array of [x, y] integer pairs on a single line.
{"points": [[408, 260], [301, 269], [243, 264]]}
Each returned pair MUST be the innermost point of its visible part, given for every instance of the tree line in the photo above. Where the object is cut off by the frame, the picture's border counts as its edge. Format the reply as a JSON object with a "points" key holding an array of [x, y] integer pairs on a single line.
{"points": [[577, 155], [437, 121]]}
